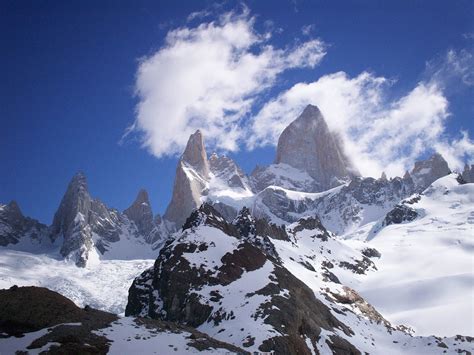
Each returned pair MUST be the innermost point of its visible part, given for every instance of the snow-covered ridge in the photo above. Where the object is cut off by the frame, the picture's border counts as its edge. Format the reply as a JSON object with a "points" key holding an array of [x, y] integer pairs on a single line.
{"points": [[430, 255]]}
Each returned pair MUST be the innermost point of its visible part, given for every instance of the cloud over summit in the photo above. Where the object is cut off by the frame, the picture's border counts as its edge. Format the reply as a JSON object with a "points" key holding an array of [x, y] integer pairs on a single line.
{"points": [[216, 76], [207, 77]]}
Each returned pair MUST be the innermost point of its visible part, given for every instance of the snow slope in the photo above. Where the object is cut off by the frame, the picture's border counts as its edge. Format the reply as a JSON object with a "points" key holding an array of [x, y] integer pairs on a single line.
{"points": [[425, 277]]}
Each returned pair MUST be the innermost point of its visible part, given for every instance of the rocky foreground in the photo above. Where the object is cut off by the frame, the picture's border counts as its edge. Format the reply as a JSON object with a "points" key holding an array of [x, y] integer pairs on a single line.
{"points": [[37, 320]]}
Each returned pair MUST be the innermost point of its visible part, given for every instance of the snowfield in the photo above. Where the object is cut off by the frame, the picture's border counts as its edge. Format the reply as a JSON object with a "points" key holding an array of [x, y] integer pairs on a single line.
{"points": [[103, 286], [425, 277]]}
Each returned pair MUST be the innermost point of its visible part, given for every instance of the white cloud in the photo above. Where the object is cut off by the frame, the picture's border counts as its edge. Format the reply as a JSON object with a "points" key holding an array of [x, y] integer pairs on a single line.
{"points": [[207, 77], [379, 135]]}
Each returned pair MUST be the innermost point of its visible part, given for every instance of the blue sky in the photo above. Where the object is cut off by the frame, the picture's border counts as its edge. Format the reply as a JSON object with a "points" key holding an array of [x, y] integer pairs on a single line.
{"points": [[71, 87]]}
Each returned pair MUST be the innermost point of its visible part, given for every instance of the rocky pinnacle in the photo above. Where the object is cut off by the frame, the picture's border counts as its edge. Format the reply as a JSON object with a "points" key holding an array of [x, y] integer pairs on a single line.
{"points": [[308, 145], [141, 214], [192, 174]]}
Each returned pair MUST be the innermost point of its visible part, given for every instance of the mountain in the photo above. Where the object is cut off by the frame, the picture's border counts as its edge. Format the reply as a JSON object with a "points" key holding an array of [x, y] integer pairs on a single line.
{"points": [[309, 157], [345, 208], [217, 180], [20, 231], [266, 288], [308, 145], [302, 256], [84, 229]]}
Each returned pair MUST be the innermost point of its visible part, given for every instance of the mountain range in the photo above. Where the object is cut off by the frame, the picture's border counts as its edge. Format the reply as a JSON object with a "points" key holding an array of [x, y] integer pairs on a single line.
{"points": [[304, 256]]}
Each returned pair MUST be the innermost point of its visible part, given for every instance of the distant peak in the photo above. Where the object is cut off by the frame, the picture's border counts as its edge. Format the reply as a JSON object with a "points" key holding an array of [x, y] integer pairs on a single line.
{"points": [[142, 196], [14, 207], [79, 179], [307, 144]]}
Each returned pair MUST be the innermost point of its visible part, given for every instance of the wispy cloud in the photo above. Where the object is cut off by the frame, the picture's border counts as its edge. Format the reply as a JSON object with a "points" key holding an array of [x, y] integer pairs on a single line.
{"points": [[207, 77], [379, 134]]}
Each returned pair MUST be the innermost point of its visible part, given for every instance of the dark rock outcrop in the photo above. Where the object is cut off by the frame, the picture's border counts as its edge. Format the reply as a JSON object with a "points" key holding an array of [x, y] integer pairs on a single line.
{"points": [[399, 214], [28, 309]]}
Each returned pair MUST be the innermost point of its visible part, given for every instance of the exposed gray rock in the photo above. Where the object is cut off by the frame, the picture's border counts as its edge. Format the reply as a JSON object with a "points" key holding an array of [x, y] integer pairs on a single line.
{"points": [[225, 169], [307, 144], [15, 227], [339, 209], [228, 212], [427, 171], [87, 224], [141, 214], [190, 183], [71, 221], [195, 154], [468, 173]]}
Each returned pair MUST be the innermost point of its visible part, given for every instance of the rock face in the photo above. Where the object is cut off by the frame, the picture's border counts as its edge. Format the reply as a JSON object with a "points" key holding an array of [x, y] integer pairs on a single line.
{"points": [[192, 175], [427, 171], [468, 173], [225, 169], [308, 145], [14, 227], [141, 214]]}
